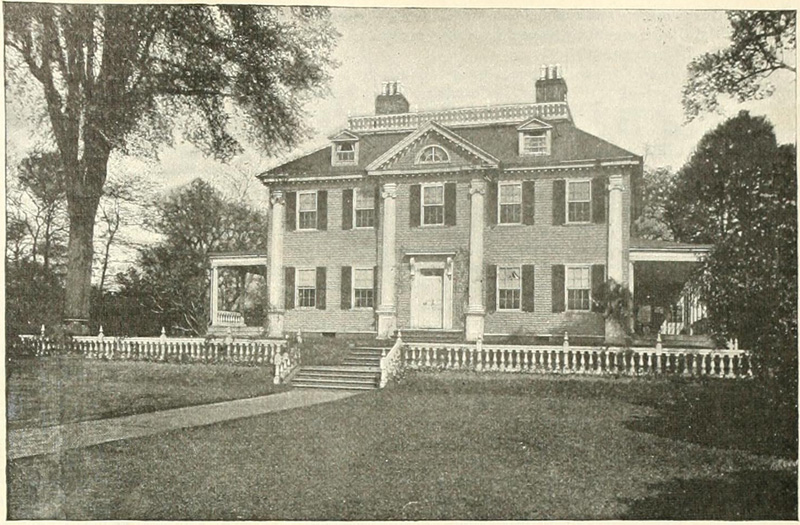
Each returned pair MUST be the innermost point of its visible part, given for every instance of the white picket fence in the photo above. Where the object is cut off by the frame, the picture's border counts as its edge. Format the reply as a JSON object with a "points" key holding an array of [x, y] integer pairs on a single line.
{"points": [[248, 352], [578, 360]]}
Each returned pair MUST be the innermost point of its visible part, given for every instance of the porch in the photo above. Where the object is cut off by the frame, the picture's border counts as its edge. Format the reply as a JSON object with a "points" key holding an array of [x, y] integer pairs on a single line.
{"points": [[238, 294]]}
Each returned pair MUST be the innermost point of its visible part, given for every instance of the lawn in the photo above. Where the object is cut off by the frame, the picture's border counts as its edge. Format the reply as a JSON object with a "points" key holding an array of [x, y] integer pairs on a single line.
{"points": [[448, 446], [53, 390]]}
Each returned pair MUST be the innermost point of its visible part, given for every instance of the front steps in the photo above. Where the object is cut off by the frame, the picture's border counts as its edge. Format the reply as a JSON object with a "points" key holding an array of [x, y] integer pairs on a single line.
{"points": [[361, 370]]}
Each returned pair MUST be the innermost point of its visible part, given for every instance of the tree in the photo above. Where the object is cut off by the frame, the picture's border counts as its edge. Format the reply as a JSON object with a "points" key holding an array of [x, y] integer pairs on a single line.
{"points": [[657, 193], [738, 191], [171, 282], [115, 77], [762, 43]]}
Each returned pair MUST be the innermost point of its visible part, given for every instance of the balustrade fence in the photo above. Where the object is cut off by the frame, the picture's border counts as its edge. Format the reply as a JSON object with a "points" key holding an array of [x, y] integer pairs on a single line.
{"points": [[732, 363], [256, 352]]}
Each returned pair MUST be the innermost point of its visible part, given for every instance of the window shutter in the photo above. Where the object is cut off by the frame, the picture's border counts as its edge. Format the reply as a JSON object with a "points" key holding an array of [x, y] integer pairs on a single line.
{"points": [[291, 210], [414, 204], [347, 279], [321, 288], [559, 201], [527, 287], [598, 278], [288, 287], [528, 201], [375, 301], [491, 287], [347, 209], [377, 205], [599, 199], [450, 203], [559, 274], [491, 203], [322, 210]]}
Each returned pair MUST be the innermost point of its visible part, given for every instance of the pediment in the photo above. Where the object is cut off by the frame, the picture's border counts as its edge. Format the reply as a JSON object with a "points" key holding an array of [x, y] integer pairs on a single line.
{"points": [[343, 136], [534, 124], [406, 153]]}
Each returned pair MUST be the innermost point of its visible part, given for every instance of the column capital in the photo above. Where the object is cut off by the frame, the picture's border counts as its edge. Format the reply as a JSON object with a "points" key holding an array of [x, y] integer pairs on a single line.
{"points": [[615, 183], [477, 186], [389, 190], [277, 197]]}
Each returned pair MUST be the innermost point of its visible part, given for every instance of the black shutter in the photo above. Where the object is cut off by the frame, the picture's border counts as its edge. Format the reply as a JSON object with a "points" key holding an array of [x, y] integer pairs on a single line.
{"points": [[450, 203], [527, 287], [528, 201], [559, 201], [415, 194], [374, 286], [491, 287], [347, 209], [598, 278], [321, 287], [599, 199], [291, 210], [322, 210], [491, 203], [347, 283], [559, 303], [377, 205], [288, 287]]}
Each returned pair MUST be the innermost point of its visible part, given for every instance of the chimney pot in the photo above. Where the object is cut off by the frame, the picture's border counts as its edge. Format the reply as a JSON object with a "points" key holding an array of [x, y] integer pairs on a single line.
{"points": [[391, 100], [542, 72]]}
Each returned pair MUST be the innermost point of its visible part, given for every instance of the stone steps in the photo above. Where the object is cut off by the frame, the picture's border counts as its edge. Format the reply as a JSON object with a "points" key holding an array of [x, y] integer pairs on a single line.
{"points": [[359, 371]]}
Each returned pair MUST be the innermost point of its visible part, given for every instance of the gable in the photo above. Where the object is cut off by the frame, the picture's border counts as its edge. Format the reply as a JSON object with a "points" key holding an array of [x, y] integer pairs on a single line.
{"points": [[410, 158]]}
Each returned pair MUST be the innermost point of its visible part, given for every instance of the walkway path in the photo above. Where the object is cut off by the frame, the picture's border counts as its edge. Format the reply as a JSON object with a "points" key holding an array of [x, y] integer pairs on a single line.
{"points": [[49, 440]]}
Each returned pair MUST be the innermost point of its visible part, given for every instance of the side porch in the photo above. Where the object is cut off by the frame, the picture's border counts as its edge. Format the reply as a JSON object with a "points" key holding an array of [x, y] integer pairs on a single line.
{"points": [[238, 294]]}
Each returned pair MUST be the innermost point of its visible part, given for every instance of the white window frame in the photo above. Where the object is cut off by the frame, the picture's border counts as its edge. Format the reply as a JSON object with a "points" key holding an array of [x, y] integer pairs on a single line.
{"points": [[335, 161], [547, 143], [433, 146], [353, 288], [356, 191], [499, 202], [422, 204], [567, 268], [316, 210], [497, 288], [297, 288], [566, 205]]}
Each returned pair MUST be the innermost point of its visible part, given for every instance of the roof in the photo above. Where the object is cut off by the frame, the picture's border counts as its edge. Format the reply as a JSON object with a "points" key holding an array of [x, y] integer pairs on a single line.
{"points": [[569, 144], [654, 244]]}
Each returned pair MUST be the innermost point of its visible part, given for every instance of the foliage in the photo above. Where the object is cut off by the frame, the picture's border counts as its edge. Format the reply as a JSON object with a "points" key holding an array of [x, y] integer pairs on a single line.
{"points": [[118, 78], [614, 301], [652, 223], [34, 297], [762, 42], [171, 282]]}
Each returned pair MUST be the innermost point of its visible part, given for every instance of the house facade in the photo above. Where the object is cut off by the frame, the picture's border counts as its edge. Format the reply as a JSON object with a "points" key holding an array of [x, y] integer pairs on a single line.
{"points": [[499, 220]]}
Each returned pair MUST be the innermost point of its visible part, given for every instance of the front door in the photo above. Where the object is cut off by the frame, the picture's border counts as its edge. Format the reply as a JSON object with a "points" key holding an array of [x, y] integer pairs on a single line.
{"points": [[428, 303]]}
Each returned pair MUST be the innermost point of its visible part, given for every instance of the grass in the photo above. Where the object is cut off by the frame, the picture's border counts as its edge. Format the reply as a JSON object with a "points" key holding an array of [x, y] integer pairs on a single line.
{"points": [[448, 446], [48, 391]]}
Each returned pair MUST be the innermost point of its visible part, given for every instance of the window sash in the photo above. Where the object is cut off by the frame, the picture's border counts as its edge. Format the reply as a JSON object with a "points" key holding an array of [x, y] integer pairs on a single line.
{"points": [[306, 297], [307, 204], [579, 201], [578, 288], [363, 298], [363, 292], [346, 152], [534, 143], [307, 278], [433, 204], [364, 206], [433, 154], [509, 288]]}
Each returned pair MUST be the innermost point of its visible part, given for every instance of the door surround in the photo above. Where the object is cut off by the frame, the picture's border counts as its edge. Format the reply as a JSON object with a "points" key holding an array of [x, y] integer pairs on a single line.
{"points": [[443, 262]]}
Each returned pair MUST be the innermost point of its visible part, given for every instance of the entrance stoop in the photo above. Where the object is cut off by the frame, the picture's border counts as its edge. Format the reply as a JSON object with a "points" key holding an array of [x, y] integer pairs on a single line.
{"points": [[361, 370]]}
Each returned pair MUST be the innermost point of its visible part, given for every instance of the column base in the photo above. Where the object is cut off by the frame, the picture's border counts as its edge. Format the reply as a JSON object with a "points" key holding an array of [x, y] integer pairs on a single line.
{"points": [[474, 322], [275, 320], [387, 322]]}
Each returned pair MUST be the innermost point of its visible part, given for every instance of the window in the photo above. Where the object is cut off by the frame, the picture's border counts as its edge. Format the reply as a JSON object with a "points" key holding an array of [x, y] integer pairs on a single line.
{"points": [[508, 288], [579, 201], [433, 155], [578, 288], [534, 143], [510, 202], [364, 209], [433, 204], [307, 288], [363, 291], [307, 210], [346, 152]]}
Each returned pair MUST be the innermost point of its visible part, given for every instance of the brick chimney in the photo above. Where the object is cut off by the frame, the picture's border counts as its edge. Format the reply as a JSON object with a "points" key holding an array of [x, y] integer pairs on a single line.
{"points": [[390, 100], [551, 86]]}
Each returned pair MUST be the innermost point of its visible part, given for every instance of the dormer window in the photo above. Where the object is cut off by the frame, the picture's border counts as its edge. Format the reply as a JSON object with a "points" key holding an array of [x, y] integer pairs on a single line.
{"points": [[346, 153], [433, 155], [345, 149], [535, 138]]}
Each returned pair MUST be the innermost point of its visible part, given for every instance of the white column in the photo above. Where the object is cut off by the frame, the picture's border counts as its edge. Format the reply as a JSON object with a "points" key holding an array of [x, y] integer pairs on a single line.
{"points": [[387, 312], [475, 310], [214, 294], [631, 290], [615, 253], [276, 306]]}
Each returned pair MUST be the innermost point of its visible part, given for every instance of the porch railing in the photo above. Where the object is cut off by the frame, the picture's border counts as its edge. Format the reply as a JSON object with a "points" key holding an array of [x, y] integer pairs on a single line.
{"points": [[578, 360], [226, 318]]}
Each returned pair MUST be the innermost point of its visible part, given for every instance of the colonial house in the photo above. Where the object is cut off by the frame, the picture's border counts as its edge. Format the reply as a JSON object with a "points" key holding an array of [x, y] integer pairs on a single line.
{"points": [[481, 221]]}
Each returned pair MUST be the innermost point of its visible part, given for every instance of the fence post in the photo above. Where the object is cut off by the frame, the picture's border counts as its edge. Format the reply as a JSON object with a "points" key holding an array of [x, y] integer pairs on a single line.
{"points": [[658, 342], [162, 345]]}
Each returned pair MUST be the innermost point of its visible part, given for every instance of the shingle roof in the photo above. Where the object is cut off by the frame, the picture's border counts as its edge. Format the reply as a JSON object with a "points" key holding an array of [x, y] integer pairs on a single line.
{"points": [[500, 140]]}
